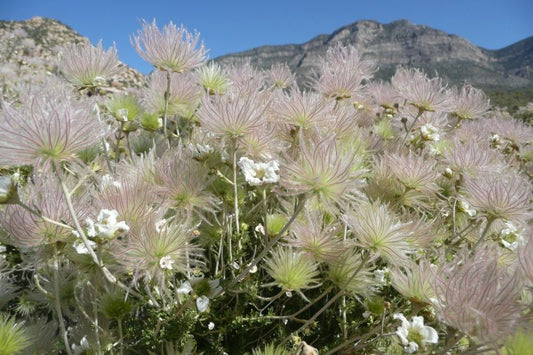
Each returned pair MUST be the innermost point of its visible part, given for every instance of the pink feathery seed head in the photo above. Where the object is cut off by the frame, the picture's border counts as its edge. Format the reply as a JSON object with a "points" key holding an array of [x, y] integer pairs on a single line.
{"points": [[384, 95], [232, 116], [87, 66], [317, 238], [420, 91], [262, 145], [299, 109], [477, 295], [280, 76], [511, 132], [245, 78], [131, 197], [468, 103], [184, 184], [183, 98], [343, 72], [26, 229], [377, 230], [141, 252], [404, 179], [172, 49], [472, 159], [415, 281], [49, 126], [525, 258], [331, 175], [496, 196]]}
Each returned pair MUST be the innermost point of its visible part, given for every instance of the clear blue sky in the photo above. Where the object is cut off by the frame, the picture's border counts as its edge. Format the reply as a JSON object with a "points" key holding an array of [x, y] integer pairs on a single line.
{"points": [[228, 26]]}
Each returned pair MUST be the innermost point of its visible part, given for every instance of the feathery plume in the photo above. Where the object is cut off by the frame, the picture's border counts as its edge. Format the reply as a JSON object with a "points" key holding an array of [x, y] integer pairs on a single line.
{"points": [[291, 270], [342, 73], [87, 66], [420, 91], [48, 127], [377, 230], [173, 49], [468, 103], [231, 117], [183, 97], [331, 175], [495, 196], [478, 296]]}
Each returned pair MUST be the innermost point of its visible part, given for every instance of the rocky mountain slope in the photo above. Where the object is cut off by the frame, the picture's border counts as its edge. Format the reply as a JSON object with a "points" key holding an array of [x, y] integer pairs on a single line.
{"points": [[29, 52], [402, 43]]}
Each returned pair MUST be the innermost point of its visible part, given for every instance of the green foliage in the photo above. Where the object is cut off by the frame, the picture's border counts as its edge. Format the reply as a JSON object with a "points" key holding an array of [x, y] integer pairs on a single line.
{"points": [[13, 338], [271, 349], [511, 99]]}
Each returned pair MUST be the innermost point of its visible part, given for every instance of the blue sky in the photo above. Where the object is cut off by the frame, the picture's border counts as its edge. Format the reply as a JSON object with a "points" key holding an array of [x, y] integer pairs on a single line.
{"points": [[228, 26]]}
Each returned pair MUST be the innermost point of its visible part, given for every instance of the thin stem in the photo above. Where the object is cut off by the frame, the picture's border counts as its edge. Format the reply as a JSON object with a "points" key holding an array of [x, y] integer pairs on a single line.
{"points": [[96, 328], [265, 211], [165, 109], [108, 275], [332, 300], [130, 151], [420, 112], [487, 227], [269, 246], [57, 304], [235, 191], [361, 338], [104, 145], [119, 138], [121, 336], [39, 214]]}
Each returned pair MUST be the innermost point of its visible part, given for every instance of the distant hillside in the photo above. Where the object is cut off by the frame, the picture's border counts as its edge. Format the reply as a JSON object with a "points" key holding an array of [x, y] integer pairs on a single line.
{"points": [[402, 43], [28, 51]]}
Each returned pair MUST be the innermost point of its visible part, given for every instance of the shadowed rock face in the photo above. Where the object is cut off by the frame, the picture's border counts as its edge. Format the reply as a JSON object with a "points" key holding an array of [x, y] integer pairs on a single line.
{"points": [[403, 43]]}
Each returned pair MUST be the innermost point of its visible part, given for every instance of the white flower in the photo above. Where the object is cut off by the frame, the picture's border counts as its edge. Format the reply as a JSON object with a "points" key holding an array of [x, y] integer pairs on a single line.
{"points": [[415, 334], [185, 288], [106, 225], [510, 237], [199, 150], [235, 265], [379, 276], [81, 248], [257, 174], [201, 303], [463, 206], [122, 114], [253, 270], [84, 345], [429, 133], [211, 326], [260, 229], [166, 262], [91, 231]]}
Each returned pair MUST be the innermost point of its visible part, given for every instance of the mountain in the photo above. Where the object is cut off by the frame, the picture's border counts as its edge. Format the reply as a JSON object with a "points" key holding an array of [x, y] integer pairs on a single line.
{"points": [[29, 51], [453, 58]]}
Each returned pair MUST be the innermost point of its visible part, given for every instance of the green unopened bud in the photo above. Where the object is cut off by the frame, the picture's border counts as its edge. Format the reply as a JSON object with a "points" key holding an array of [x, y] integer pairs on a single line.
{"points": [[376, 305], [151, 122], [275, 223], [8, 190], [130, 126]]}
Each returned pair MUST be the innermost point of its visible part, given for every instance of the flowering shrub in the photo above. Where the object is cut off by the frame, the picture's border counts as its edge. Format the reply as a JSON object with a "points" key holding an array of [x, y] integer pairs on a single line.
{"points": [[228, 210]]}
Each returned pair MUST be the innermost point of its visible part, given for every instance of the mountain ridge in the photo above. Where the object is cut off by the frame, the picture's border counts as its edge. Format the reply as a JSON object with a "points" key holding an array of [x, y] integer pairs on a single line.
{"points": [[403, 43]]}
